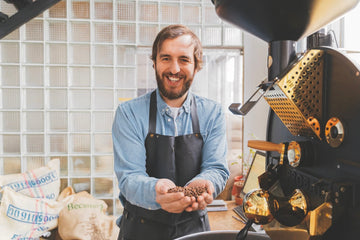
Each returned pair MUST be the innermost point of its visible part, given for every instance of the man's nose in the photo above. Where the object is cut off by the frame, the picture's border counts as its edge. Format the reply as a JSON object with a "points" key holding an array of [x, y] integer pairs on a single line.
{"points": [[174, 67]]}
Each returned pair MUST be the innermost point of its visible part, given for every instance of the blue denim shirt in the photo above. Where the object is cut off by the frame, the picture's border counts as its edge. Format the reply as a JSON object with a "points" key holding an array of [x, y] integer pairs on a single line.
{"points": [[130, 128]]}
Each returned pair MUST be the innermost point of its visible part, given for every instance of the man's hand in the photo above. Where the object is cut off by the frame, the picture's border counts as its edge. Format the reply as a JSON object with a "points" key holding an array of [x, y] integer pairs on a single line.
{"points": [[171, 202], [204, 199]]}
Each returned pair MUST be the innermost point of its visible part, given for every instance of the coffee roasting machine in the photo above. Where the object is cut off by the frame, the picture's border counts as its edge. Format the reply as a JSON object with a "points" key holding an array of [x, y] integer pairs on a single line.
{"points": [[311, 189]]}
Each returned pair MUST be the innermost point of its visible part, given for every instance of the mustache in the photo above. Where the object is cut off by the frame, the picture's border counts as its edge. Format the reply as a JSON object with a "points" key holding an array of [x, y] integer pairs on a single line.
{"points": [[176, 75]]}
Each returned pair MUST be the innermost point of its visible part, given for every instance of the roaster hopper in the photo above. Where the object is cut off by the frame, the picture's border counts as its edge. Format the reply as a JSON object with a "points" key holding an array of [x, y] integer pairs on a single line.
{"points": [[315, 112]]}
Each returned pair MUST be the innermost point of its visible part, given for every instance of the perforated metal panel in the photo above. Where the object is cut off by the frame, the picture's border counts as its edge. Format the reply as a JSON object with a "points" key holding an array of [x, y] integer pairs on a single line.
{"points": [[297, 96]]}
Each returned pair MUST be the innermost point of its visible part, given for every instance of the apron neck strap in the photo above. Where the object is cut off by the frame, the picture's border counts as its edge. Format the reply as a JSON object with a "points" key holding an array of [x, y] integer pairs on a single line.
{"points": [[152, 114], [153, 110], [194, 116]]}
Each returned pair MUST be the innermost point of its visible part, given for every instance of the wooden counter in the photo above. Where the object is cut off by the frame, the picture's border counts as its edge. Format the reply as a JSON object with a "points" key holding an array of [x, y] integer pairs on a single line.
{"points": [[223, 220]]}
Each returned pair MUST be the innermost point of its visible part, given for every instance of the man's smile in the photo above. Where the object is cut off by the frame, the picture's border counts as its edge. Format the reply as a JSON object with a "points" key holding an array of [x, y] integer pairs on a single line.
{"points": [[173, 79]]}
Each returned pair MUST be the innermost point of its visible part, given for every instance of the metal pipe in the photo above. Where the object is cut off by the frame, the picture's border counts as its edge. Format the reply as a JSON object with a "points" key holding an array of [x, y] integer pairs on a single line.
{"points": [[281, 54]]}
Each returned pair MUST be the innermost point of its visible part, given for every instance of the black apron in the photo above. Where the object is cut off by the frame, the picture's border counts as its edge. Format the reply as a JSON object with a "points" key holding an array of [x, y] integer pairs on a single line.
{"points": [[178, 159]]}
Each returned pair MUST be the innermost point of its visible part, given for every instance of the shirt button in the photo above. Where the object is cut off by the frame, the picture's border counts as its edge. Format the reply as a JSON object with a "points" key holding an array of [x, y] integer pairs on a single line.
{"points": [[169, 119]]}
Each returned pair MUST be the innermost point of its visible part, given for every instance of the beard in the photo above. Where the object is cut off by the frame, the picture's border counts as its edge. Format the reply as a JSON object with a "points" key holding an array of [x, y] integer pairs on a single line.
{"points": [[171, 95]]}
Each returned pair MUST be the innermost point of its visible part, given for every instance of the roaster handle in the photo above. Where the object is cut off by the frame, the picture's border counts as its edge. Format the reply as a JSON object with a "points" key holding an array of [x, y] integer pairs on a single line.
{"points": [[265, 86]]}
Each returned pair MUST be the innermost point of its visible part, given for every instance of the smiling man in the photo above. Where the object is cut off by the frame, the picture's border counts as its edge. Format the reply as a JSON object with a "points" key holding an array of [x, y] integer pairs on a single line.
{"points": [[175, 68], [169, 138]]}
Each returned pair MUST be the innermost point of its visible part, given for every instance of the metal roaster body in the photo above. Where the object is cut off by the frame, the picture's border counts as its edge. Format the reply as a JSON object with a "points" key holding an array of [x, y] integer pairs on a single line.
{"points": [[312, 184]]}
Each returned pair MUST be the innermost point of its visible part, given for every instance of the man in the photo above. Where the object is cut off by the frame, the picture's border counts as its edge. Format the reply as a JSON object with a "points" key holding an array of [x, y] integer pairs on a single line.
{"points": [[169, 138]]}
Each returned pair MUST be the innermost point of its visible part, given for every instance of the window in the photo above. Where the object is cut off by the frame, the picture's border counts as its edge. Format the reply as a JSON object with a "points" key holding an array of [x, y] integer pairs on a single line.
{"points": [[352, 33]]}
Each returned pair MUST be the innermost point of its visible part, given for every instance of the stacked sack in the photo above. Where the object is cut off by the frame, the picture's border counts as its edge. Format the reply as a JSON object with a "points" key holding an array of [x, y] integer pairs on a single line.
{"points": [[28, 207], [31, 207]]}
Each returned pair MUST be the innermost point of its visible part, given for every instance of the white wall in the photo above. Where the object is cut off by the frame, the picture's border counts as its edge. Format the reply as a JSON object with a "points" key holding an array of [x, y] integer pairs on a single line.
{"points": [[255, 70]]}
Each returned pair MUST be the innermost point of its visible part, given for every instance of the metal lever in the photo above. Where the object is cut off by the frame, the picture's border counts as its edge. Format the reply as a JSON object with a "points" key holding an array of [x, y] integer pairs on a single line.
{"points": [[243, 233], [269, 146], [236, 108]]}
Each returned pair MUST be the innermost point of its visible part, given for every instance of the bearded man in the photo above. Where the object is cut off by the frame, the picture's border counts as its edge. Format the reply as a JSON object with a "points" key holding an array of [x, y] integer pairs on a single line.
{"points": [[169, 138]]}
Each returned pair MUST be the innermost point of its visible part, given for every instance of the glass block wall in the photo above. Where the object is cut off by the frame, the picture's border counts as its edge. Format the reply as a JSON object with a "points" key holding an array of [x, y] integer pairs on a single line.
{"points": [[63, 74]]}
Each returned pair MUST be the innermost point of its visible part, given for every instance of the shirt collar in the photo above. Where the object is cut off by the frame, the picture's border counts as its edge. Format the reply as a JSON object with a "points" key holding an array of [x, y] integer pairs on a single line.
{"points": [[163, 107]]}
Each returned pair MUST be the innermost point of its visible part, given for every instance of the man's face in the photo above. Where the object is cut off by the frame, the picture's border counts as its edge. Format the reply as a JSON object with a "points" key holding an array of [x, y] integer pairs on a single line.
{"points": [[175, 67]]}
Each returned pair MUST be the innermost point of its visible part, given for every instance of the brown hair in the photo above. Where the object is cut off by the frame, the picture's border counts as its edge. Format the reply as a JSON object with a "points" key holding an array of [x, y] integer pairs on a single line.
{"points": [[174, 31]]}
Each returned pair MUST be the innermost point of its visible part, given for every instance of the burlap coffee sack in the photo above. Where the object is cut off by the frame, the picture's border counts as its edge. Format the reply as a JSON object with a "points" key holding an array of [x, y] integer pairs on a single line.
{"points": [[84, 218], [24, 217], [43, 182]]}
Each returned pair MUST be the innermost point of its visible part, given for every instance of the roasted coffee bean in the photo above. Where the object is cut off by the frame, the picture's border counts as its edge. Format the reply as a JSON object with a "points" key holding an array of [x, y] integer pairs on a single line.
{"points": [[189, 191]]}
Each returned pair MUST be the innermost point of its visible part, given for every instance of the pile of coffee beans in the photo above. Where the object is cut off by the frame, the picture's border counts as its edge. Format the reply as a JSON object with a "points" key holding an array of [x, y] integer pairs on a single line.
{"points": [[189, 191]]}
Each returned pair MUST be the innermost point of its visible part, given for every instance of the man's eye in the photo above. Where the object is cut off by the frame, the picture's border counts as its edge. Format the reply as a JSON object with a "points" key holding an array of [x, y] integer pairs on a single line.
{"points": [[185, 60]]}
